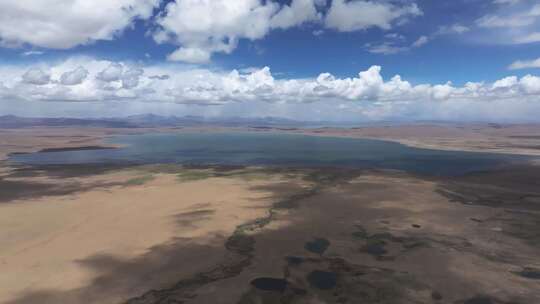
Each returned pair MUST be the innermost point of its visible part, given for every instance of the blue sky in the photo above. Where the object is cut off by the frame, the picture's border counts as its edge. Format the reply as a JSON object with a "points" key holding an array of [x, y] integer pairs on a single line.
{"points": [[437, 47]]}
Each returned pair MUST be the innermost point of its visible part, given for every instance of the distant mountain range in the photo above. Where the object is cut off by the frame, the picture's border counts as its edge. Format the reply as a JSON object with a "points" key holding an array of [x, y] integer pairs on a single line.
{"points": [[143, 121], [153, 121]]}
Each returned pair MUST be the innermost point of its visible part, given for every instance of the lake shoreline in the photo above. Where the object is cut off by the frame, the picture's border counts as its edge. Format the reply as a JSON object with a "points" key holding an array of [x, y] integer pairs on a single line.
{"points": [[281, 150], [514, 139]]}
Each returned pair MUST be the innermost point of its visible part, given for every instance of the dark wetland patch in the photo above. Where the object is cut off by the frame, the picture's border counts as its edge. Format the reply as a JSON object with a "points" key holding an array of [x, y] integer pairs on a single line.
{"points": [[270, 284], [317, 245], [241, 244], [375, 247], [376, 244], [530, 273], [11, 190], [479, 300], [361, 233], [437, 296], [322, 279], [193, 218], [294, 260]]}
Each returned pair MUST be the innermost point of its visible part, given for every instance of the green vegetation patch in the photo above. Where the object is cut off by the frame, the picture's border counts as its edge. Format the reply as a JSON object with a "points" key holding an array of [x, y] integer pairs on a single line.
{"points": [[248, 174], [140, 180], [162, 168], [191, 173], [188, 175]]}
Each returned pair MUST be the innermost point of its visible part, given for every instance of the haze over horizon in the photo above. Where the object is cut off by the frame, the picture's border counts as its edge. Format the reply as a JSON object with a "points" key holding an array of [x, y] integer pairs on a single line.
{"points": [[307, 60]]}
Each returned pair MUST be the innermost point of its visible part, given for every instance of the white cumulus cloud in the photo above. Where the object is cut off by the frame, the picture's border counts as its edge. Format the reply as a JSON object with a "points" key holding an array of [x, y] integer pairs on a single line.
{"points": [[74, 77], [347, 16], [66, 23], [112, 73], [130, 79], [367, 94], [204, 27], [36, 76], [105, 80], [525, 64]]}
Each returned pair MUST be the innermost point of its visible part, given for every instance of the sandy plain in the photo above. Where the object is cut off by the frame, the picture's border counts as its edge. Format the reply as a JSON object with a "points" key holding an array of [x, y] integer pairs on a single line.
{"points": [[173, 234]]}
